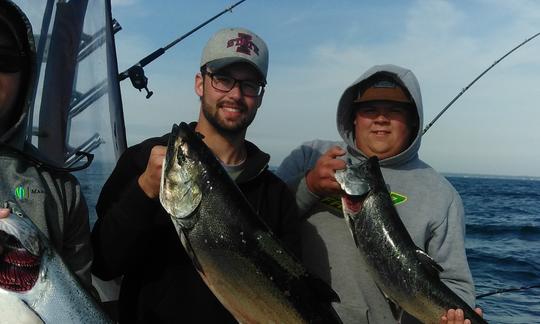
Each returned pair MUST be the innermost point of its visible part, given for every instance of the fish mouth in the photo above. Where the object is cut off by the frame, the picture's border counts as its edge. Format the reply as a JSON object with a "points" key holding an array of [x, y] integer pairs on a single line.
{"points": [[353, 203], [19, 269], [352, 180]]}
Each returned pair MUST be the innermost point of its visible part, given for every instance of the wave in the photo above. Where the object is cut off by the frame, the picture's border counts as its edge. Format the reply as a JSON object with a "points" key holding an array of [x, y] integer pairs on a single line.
{"points": [[504, 230]]}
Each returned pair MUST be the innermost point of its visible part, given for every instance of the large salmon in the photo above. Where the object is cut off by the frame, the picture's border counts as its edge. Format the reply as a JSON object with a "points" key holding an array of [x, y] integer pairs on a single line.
{"points": [[35, 284], [235, 253], [406, 274]]}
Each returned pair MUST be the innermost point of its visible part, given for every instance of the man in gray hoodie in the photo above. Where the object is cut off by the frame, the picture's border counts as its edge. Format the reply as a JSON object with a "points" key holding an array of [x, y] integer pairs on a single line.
{"points": [[379, 114], [51, 198]]}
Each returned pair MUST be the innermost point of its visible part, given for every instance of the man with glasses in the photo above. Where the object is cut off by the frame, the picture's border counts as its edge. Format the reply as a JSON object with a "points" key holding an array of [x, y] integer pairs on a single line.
{"points": [[134, 236]]}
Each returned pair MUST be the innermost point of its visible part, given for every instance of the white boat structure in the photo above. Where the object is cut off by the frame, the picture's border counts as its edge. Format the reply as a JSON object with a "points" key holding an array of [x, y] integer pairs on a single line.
{"points": [[77, 105]]}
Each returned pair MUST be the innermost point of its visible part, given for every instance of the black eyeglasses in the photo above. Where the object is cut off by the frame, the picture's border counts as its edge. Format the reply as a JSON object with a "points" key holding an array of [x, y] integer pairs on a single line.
{"points": [[226, 83]]}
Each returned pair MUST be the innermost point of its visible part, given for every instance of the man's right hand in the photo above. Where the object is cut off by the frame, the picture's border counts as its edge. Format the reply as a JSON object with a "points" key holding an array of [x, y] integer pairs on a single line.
{"points": [[150, 180], [321, 179]]}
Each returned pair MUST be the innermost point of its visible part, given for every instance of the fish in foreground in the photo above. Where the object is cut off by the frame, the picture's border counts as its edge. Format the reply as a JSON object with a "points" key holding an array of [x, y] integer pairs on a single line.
{"points": [[237, 256], [406, 274], [35, 284]]}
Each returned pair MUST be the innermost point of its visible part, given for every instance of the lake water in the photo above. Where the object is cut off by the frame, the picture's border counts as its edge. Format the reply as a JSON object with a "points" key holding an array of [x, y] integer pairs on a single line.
{"points": [[503, 244]]}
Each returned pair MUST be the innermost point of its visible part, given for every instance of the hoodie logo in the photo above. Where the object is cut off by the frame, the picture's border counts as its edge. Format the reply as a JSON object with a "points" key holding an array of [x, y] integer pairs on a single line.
{"points": [[23, 193], [397, 199], [243, 44]]}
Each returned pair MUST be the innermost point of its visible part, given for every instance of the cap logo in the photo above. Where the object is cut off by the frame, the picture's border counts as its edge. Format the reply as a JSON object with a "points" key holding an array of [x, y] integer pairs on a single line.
{"points": [[384, 84], [243, 44]]}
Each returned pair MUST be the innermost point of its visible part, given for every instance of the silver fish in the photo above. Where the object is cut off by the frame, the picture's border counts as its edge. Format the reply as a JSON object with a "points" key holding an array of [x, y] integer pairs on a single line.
{"points": [[406, 274], [35, 284], [235, 253]]}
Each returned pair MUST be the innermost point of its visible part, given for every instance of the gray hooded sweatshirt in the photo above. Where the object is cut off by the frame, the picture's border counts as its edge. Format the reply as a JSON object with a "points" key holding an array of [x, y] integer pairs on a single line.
{"points": [[51, 199], [428, 205]]}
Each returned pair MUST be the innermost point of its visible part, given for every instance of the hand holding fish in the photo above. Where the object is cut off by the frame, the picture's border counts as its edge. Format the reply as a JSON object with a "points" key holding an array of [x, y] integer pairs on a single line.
{"points": [[321, 179], [456, 316], [150, 180]]}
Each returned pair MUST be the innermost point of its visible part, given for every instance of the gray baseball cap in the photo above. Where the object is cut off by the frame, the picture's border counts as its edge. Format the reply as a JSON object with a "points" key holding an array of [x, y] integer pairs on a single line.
{"points": [[233, 45]]}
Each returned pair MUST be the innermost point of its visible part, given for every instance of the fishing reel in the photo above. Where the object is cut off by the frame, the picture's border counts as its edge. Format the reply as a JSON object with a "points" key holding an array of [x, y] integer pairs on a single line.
{"points": [[138, 79], [136, 72]]}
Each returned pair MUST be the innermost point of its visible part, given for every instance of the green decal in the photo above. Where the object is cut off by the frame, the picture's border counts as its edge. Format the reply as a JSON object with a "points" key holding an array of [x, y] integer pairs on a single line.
{"points": [[397, 198], [335, 202], [20, 193]]}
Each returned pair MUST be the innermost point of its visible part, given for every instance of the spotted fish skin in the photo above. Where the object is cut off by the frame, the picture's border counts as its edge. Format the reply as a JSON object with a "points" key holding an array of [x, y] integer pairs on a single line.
{"points": [[237, 256], [405, 274], [35, 284]]}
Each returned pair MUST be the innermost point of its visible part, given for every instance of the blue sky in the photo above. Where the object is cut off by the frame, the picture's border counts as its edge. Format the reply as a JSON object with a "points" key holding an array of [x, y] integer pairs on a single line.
{"points": [[317, 48]]}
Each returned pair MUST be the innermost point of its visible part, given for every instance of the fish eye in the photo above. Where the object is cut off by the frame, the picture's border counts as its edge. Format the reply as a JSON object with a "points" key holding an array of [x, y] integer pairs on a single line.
{"points": [[180, 157]]}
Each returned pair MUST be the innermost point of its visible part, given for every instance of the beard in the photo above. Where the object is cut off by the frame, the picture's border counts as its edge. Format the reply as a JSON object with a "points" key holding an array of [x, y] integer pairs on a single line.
{"points": [[239, 126]]}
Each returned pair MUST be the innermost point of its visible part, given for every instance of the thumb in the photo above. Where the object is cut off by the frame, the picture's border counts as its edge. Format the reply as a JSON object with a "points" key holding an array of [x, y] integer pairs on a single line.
{"points": [[335, 151], [4, 212]]}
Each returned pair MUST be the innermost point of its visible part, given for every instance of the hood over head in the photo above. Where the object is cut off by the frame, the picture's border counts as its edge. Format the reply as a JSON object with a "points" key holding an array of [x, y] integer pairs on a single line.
{"points": [[17, 24], [345, 112]]}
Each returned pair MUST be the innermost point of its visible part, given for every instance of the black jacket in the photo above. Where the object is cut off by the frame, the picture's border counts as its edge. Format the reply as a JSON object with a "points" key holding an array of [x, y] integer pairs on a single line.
{"points": [[135, 237]]}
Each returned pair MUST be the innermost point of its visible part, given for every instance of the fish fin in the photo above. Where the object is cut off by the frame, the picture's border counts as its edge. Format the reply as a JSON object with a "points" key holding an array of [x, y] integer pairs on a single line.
{"points": [[323, 290], [190, 252], [429, 264], [350, 224], [396, 310]]}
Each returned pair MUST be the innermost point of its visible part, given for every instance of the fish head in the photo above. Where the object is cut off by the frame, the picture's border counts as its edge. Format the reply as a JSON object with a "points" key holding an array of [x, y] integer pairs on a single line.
{"points": [[358, 181], [20, 258], [183, 175]]}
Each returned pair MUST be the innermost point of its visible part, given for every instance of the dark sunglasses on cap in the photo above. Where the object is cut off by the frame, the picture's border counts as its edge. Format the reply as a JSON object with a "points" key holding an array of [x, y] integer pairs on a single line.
{"points": [[11, 62]]}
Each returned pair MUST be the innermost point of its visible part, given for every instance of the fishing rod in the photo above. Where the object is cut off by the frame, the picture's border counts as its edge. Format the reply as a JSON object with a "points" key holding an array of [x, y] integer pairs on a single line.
{"points": [[136, 72], [506, 290], [478, 77]]}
